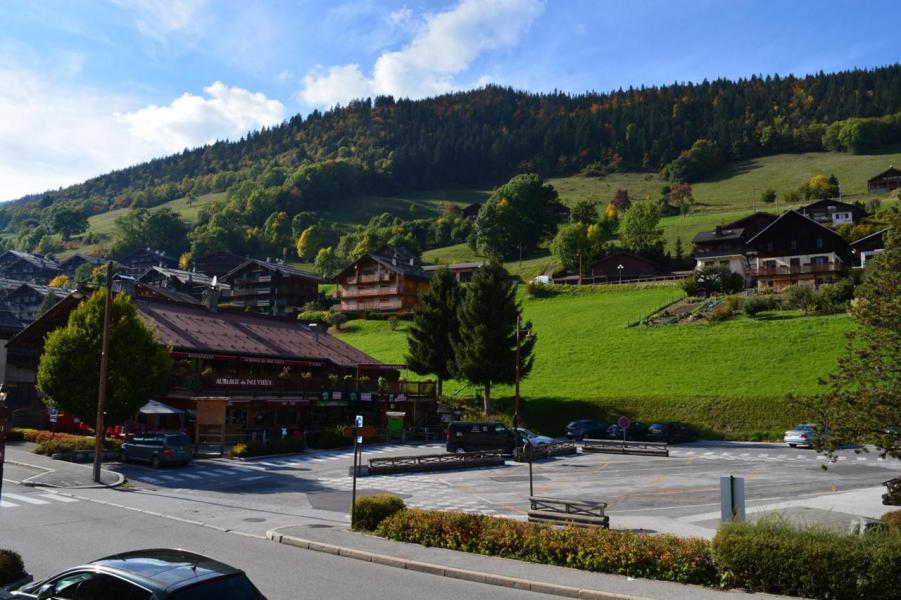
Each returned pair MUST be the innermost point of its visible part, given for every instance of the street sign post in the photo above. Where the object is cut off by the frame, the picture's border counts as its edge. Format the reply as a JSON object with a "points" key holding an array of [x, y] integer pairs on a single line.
{"points": [[358, 450], [624, 423], [4, 414]]}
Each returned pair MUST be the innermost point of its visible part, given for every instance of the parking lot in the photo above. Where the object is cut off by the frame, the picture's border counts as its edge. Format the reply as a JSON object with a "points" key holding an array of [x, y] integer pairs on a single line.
{"points": [[677, 494]]}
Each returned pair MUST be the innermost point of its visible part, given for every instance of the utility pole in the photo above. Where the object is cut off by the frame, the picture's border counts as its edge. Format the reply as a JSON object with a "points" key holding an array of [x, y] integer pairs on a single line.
{"points": [[100, 428], [516, 393], [4, 414], [580, 268]]}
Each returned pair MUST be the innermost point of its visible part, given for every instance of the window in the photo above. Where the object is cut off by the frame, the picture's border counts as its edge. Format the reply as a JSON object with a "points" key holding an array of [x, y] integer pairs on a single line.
{"points": [[819, 242], [74, 586], [113, 587], [793, 244]]}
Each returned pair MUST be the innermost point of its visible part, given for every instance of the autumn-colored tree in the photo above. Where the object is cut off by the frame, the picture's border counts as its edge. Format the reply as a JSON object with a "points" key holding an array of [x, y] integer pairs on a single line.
{"points": [[60, 281], [184, 261]]}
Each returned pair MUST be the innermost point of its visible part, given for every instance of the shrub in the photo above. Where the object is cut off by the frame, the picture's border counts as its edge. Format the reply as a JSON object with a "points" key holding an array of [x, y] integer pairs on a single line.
{"points": [[336, 319], [892, 519], [319, 317], [801, 296], [286, 445], [772, 556], [11, 567], [712, 280], [372, 510], [756, 305], [328, 438], [725, 310], [621, 552], [536, 289], [64, 442], [15, 435]]}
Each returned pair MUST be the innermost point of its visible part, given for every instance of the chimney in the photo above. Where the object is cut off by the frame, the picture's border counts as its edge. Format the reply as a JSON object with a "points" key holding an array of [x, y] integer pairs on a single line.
{"points": [[210, 299]]}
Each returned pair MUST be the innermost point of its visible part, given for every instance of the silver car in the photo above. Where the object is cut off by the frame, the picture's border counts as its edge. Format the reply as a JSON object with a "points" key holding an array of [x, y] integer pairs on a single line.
{"points": [[801, 435]]}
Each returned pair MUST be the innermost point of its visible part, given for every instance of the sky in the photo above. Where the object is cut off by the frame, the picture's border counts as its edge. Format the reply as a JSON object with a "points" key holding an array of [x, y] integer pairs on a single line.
{"points": [[88, 86]]}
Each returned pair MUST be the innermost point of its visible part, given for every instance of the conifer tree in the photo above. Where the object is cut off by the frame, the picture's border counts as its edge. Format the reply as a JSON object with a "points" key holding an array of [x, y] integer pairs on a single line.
{"points": [[434, 325], [485, 348]]}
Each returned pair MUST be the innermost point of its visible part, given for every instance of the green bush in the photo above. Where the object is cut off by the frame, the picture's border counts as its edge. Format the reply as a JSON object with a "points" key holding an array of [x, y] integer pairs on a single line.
{"points": [[372, 510], [328, 438], [277, 446], [724, 311], [318, 317], [757, 304], [15, 435], [11, 567], [536, 289], [621, 552], [773, 556], [64, 442]]}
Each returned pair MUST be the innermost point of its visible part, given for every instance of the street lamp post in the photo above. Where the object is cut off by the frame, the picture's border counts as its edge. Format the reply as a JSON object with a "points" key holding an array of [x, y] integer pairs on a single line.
{"points": [[100, 431], [620, 268], [4, 413], [516, 385]]}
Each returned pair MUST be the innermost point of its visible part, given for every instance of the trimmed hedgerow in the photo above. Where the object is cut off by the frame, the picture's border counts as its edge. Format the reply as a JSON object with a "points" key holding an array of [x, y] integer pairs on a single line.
{"points": [[276, 446], [11, 567], [772, 556], [64, 442], [666, 557], [372, 510]]}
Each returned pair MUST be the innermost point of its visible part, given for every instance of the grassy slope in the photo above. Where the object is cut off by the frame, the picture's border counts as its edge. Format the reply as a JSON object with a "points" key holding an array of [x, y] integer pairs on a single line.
{"points": [[730, 377]]}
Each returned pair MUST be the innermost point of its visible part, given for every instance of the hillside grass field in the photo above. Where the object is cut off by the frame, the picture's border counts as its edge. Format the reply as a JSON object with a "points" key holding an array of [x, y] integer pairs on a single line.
{"points": [[728, 379]]}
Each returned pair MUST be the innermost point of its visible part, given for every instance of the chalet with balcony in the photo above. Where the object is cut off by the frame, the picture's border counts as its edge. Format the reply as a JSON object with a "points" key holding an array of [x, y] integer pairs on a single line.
{"points": [[71, 264], [23, 266], [867, 247], [271, 288], [832, 212], [726, 246], [796, 249], [190, 283], [139, 261], [387, 280], [888, 180], [242, 375]]}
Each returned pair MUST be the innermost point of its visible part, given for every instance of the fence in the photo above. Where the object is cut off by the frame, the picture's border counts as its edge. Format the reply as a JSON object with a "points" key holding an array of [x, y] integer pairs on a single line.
{"points": [[623, 447], [544, 451], [435, 462], [581, 513]]}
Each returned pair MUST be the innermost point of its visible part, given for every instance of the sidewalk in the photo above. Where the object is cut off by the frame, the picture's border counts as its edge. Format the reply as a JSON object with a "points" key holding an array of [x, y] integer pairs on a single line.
{"points": [[57, 473], [560, 581]]}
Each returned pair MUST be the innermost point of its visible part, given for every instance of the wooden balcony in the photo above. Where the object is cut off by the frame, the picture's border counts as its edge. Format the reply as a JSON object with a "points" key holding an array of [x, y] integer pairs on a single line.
{"points": [[811, 268], [351, 292], [349, 305]]}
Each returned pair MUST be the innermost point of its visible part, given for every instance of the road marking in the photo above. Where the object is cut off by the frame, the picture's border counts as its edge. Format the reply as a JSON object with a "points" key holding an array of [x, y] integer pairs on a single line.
{"points": [[254, 478], [861, 458], [150, 479], [58, 498], [169, 477], [218, 472], [5, 504], [26, 499], [191, 476]]}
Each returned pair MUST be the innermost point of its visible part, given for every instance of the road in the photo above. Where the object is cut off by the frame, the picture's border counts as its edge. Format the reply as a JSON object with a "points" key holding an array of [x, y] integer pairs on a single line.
{"points": [[53, 531]]}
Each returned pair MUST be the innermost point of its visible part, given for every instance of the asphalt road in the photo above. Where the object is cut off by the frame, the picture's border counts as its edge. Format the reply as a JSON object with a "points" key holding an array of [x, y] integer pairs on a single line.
{"points": [[53, 532]]}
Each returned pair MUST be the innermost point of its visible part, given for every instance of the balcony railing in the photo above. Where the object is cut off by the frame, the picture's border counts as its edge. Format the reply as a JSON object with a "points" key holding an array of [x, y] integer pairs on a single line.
{"points": [[350, 305], [358, 292], [289, 388], [373, 278], [831, 267]]}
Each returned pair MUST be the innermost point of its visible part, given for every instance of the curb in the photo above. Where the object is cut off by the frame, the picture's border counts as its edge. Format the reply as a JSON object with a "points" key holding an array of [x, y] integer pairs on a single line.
{"points": [[120, 479], [452, 572]]}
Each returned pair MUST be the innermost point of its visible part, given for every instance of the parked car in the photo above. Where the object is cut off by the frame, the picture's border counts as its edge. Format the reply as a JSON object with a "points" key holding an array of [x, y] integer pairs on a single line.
{"points": [[636, 431], [801, 435], [147, 575], [158, 449], [465, 436], [586, 428], [522, 434], [671, 432]]}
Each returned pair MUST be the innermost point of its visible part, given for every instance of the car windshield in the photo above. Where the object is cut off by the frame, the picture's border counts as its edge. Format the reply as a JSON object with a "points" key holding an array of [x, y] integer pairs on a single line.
{"points": [[804, 427], [178, 440], [656, 427], [232, 587], [526, 432]]}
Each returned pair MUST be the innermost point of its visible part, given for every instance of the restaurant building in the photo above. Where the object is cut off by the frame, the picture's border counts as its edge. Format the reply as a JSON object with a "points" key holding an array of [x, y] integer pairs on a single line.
{"points": [[243, 376]]}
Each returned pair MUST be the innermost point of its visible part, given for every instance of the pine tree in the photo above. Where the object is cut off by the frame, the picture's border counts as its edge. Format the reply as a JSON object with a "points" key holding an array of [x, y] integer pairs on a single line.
{"points": [[434, 325], [485, 349]]}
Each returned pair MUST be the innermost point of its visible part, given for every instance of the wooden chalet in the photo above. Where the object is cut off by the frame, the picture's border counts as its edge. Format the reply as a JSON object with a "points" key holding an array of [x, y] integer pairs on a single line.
{"points": [[888, 180], [616, 267], [867, 247], [240, 375], [462, 272], [726, 245], [387, 280], [832, 212], [24, 266], [796, 249], [139, 261], [218, 263], [271, 288], [190, 283], [71, 264]]}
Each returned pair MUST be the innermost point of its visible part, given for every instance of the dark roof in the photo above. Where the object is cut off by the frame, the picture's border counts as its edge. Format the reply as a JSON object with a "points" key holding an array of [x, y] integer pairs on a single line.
{"points": [[750, 219], [868, 238], [614, 255], [284, 269], [148, 254], [10, 286], [890, 171], [9, 323], [94, 260], [148, 290], [164, 569], [394, 258], [451, 267], [33, 259], [802, 216], [721, 234], [194, 328], [825, 203], [180, 275]]}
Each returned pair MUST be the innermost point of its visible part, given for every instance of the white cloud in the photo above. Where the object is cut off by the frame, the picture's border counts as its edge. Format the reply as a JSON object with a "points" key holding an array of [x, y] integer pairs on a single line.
{"points": [[159, 18], [445, 47], [54, 135], [400, 17], [190, 120]]}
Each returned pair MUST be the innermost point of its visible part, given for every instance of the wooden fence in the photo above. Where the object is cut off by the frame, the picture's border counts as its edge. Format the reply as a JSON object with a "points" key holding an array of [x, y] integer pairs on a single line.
{"points": [[435, 462], [556, 511], [624, 447], [540, 451]]}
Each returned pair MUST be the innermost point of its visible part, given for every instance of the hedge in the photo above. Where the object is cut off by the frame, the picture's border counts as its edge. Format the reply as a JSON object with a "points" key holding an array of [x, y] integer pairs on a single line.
{"points": [[66, 442], [372, 510], [11, 567], [276, 446], [666, 557], [772, 556]]}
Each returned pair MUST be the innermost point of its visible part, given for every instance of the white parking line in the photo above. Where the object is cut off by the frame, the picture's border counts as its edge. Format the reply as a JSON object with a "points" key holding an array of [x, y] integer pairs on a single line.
{"points": [[191, 476], [254, 478], [5, 504], [58, 498], [169, 477], [26, 499]]}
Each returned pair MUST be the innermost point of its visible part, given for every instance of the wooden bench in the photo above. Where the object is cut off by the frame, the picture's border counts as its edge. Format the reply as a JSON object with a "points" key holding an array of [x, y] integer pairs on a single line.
{"points": [[578, 513], [625, 447]]}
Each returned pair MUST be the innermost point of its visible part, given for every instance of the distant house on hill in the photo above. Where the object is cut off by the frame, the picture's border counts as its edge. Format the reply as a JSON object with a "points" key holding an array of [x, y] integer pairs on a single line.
{"points": [[462, 272], [867, 247], [616, 267], [24, 266], [725, 246], [888, 180], [472, 211], [796, 249], [386, 280], [139, 261], [832, 212], [271, 288], [71, 264], [23, 299], [218, 263]]}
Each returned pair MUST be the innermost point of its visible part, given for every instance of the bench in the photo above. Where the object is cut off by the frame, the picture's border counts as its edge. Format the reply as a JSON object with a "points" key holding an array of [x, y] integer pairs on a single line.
{"points": [[578, 513], [435, 462], [625, 447]]}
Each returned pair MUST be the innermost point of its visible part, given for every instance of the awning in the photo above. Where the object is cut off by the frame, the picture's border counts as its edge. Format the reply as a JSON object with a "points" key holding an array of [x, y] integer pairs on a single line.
{"points": [[158, 408]]}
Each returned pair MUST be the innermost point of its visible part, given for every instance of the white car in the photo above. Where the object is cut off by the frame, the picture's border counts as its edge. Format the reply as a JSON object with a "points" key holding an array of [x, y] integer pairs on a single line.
{"points": [[800, 435], [537, 440]]}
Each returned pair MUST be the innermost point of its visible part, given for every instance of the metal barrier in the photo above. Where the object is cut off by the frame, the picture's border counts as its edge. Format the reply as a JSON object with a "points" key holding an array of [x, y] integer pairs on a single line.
{"points": [[540, 451], [580, 513], [435, 462], [625, 447]]}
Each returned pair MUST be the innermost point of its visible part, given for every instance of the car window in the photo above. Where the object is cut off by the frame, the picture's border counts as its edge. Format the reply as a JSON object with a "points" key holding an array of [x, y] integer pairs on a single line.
{"points": [[231, 587], [178, 440], [109, 586], [75, 586], [501, 429]]}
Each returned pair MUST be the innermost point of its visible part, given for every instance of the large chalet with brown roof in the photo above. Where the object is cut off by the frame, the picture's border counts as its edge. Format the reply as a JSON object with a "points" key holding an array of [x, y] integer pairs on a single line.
{"points": [[832, 212], [888, 180], [271, 288], [726, 245], [389, 279], [796, 249], [192, 283]]}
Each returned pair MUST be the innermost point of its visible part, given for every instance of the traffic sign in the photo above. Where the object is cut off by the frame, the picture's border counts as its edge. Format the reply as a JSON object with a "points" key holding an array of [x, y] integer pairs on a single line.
{"points": [[54, 414], [359, 421], [624, 422]]}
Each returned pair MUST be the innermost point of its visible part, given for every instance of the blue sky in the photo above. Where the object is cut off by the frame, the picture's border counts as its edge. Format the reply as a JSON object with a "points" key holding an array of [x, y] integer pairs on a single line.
{"points": [[91, 85]]}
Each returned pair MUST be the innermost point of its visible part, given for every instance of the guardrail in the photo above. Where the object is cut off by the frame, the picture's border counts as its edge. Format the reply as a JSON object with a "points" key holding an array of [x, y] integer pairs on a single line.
{"points": [[540, 451], [580, 513], [435, 462], [625, 447]]}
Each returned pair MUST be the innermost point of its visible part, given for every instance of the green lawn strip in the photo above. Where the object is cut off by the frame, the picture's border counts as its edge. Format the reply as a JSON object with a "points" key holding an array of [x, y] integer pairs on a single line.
{"points": [[730, 378]]}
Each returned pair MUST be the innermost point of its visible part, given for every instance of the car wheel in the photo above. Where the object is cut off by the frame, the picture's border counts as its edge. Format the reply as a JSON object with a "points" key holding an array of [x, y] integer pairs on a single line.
{"points": [[460, 450], [155, 462]]}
